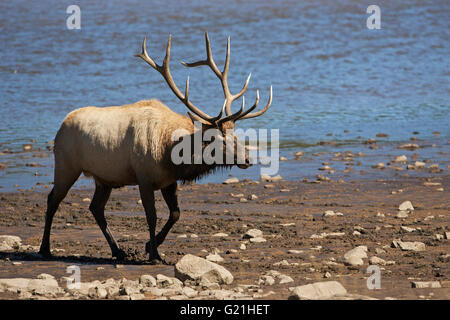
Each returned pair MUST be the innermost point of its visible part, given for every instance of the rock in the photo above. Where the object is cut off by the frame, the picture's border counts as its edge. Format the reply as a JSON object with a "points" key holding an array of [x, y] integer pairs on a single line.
{"points": [[419, 164], [214, 258], [285, 279], [266, 177], [97, 293], [165, 281], [242, 246], [409, 146], [231, 180], [299, 154], [147, 280], [425, 284], [266, 280], [220, 235], [407, 229], [408, 246], [9, 243], [252, 197], [447, 235], [377, 261], [293, 251], [27, 147], [196, 268], [283, 158], [137, 296], [331, 213], [257, 240], [252, 233], [379, 165], [317, 290], [326, 235], [401, 159], [182, 236], [193, 236], [406, 206], [354, 257], [402, 214], [189, 292]]}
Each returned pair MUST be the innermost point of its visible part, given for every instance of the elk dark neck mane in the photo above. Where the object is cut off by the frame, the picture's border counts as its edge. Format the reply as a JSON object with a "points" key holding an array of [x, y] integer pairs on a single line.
{"points": [[194, 172]]}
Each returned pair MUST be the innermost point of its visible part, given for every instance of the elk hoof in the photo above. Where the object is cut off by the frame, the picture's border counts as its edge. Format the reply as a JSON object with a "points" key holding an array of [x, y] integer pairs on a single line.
{"points": [[120, 254], [45, 253]]}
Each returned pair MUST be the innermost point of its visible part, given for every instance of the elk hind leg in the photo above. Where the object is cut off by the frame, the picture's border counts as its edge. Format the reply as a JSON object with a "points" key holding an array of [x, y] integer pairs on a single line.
{"points": [[97, 207]]}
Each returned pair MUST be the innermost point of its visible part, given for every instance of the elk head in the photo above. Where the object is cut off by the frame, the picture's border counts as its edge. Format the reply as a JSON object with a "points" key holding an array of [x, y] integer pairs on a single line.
{"points": [[224, 125]]}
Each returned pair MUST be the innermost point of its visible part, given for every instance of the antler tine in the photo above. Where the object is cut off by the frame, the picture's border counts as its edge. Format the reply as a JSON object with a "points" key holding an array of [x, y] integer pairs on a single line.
{"points": [[260, 112], [252, 107], [144, 56], [164, 70], [234, 116]]}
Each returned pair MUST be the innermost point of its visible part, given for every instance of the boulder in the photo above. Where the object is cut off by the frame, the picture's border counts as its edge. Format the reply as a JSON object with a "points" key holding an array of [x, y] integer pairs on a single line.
{"points": [[317, 290]]}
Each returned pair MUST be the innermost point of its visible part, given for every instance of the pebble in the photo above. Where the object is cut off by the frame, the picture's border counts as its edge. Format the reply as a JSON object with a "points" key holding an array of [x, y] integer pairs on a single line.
{"points": [[400, 159], [377, 261], [408, 246], [425, 284], [408, 229], [231, 180], [406, 206], [331, 213], [252, 233], [220, 235]]}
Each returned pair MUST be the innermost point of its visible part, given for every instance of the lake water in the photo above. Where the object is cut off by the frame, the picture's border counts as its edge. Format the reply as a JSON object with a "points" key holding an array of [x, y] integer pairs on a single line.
{"points": [[329, 72]]}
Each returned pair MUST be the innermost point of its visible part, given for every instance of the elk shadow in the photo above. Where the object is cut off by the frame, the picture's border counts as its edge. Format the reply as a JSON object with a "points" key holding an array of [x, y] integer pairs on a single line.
{"points": [[75, 259]]}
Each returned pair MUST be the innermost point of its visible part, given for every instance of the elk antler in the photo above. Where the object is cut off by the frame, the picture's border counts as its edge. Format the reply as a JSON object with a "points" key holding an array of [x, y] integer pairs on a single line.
{"points": [[165, 72], [223, 77]]}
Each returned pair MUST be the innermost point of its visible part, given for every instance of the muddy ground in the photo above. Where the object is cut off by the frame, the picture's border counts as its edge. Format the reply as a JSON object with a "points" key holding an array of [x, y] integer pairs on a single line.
{"points": [[287, 212]]}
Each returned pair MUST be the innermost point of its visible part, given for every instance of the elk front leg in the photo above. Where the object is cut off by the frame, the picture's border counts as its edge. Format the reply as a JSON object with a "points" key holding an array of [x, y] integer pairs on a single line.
{"points": [[170, 196], [148, 201]]}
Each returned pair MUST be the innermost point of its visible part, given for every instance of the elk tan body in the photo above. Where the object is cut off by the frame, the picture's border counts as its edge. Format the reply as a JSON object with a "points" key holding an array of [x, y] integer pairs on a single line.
{"points": [[116, 145], [132, 145]]}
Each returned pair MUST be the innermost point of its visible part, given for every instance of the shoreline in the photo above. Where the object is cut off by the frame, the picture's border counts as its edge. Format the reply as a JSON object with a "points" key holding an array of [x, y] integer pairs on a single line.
{"points": [[301, 242]]}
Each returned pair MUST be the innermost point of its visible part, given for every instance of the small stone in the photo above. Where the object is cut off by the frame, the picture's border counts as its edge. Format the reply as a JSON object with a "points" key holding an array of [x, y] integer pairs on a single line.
{"points": [[214, 258], [402, 214], [86, 200], [425, 284], [407, 229], [252, 197], [147, 280], [243, 246], [409, 146], [299, 154], [285, 279], [406, 206], [220, 235], [401, 159], [258, 240], [283, 158], [377, 261], [252, 233], [231, 180]]}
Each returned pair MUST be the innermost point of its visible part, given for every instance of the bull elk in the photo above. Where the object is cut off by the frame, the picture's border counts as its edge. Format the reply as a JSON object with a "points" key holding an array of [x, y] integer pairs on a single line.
{"points": [[131, 145]]}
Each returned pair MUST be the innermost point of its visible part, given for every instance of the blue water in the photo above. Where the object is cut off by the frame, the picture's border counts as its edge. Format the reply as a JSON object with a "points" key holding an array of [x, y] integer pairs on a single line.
{"points": [[329, 72]]}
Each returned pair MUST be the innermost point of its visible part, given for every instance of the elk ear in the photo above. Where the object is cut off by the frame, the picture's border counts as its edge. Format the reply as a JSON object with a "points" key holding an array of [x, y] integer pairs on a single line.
{"points": [[197, 118]]}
